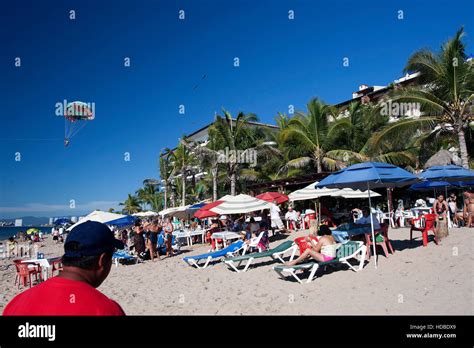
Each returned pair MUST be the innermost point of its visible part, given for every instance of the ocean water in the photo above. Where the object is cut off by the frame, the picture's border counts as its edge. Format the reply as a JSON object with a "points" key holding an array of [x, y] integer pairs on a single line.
{"points": [[7, 232]]}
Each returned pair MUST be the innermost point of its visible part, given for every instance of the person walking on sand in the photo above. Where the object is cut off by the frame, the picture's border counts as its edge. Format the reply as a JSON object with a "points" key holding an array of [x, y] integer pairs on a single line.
{"points": [[468, 211], [275, 218], [86, 263], [441, 210], [168, 228]]}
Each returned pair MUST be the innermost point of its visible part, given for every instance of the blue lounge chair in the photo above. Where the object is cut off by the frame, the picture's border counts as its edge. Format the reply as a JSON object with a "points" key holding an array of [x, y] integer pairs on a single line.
{"points": [[123, 255], [226, 252]]}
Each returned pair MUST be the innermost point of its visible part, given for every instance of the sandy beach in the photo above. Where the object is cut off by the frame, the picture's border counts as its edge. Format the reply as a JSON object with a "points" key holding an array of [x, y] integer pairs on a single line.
{"points": [[435, 280]]}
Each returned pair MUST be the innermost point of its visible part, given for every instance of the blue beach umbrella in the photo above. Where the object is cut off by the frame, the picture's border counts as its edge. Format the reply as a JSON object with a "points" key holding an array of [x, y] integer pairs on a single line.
{"points": [[430, 185], [367, 176], [447, 173]]}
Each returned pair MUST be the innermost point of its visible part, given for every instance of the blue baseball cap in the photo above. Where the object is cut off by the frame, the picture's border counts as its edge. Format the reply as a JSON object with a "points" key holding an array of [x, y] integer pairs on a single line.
{"points": [[89, 239]]}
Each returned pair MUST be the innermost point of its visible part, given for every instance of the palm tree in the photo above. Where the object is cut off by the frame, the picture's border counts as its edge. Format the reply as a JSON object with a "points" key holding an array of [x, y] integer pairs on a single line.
{"points": [[145, 195], [234, 135], [445, 95], [306, 135], [209, 157], [182, 161], [111, 210], [156, 201], [352, 137], [131, 205], [165, 173]]}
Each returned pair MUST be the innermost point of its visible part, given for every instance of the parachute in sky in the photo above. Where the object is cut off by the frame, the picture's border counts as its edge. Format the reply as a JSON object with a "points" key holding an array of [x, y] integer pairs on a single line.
{"points": [[76, 115]]}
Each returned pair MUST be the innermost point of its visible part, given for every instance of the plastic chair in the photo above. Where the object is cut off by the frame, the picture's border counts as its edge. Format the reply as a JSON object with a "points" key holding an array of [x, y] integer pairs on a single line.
{"points": [[24, 272], [56, 265], [303, 244], [389, 217], [427, 224], [383, 244]]}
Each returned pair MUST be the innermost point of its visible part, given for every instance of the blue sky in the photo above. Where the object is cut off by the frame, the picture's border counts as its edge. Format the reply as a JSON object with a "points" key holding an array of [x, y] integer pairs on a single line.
{"points": [[282, 62]]}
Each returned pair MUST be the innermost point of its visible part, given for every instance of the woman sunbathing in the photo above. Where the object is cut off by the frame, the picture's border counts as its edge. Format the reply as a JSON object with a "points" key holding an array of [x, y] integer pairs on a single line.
{"points": [[324, 250]]}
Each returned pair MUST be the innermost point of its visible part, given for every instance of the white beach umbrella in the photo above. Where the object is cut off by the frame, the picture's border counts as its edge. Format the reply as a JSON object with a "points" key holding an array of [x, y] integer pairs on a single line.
{"points": [[350, 193], [145, 214], [240, 204], [309, 192], [168, 211], [104, 217]]}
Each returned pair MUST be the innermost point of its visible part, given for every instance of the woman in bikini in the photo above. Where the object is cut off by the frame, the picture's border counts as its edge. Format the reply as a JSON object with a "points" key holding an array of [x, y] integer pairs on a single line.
{"points": [[468, 211], [441, 209], [324, 250]]}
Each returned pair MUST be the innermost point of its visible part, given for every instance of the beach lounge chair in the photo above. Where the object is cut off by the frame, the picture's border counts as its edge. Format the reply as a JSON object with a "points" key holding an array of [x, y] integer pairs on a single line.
{"points": [[208, 257], [345, 252], [275, 253], [122, 255]]}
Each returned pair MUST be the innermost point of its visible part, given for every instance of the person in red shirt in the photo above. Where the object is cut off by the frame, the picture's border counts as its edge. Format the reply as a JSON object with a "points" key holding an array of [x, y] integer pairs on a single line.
{"points": [[86, 264]]}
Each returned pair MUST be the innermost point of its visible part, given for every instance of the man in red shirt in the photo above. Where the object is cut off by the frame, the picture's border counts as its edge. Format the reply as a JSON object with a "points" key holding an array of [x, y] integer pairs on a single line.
{"points": [[87, 261]]}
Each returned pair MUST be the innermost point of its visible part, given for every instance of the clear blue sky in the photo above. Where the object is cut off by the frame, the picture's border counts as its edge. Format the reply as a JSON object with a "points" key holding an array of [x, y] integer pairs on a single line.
{"points": [[282, 62]]}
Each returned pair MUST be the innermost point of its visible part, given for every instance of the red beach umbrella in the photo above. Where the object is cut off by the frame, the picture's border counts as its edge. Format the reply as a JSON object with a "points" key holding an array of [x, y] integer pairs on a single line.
{"points": [[271, 196], [204, 212]]}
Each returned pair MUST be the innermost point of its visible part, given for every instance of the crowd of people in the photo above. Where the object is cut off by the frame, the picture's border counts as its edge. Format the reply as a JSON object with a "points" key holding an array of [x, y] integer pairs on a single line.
{"points": [[148, 239]]}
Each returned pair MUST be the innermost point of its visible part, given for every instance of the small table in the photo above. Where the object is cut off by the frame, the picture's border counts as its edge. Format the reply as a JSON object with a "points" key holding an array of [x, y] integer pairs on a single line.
{"points": [[342, 236], [44, 264], [225, 236]]}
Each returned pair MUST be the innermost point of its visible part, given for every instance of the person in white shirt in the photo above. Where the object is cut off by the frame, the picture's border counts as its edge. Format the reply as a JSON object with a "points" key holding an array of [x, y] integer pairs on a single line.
{"points": [[275, 217], [292, 217], [365, 219]]}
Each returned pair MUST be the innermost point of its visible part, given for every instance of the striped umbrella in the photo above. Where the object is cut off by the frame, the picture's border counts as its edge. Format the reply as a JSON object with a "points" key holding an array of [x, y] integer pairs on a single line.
{"points": [[204, 212], [273, 196], [240, 204], [310, 192]]}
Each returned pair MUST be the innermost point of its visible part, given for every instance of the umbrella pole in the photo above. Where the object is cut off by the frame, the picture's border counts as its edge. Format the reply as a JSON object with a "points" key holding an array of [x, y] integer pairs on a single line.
{"points": [[372, 225]]}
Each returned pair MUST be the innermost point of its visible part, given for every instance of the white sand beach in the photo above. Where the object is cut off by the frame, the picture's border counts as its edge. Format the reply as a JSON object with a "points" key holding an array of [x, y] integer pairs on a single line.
{"points": [[416, 280]]}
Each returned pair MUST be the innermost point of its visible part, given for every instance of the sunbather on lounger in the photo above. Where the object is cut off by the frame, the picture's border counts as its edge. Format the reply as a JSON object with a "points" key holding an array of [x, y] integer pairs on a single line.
{"points": [[325, 250]]}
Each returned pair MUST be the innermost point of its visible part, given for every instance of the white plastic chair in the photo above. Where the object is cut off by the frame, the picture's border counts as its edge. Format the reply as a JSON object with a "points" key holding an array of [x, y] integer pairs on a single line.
{"points": [[389, 217], [254, 243]]}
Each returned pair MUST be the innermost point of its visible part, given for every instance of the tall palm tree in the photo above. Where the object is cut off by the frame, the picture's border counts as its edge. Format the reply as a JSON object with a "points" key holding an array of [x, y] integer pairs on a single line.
{"points": [[445, 95], [156, 202], [209, 157], [182, 160], [234, 135], [165, 172], [351, 137], [145, 195], [131, 205], [309, 133]]}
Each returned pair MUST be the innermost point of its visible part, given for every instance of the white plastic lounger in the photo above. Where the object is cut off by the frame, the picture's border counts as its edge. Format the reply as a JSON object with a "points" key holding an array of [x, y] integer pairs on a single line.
{"points": [[345, 252]]}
